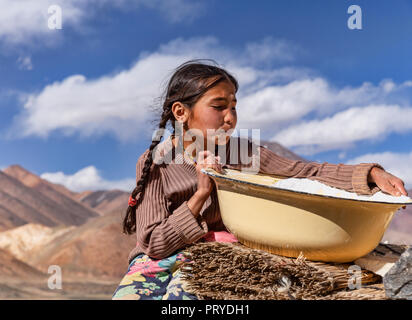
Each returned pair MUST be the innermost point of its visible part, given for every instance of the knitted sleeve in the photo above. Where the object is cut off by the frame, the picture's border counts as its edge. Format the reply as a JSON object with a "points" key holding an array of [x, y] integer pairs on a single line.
{"points": [[353, 178], [159, 231]]}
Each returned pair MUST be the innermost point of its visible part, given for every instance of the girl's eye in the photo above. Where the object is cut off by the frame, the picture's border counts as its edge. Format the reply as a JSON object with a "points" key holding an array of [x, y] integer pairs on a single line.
{"points": [[223, 107]]}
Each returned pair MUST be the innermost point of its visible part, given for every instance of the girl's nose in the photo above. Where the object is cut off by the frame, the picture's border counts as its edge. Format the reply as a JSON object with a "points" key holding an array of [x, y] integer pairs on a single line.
{"points": [[230, 118]]}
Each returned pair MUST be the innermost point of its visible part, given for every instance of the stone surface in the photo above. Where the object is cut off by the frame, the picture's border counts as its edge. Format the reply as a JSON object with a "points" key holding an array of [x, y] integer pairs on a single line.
{"points": [[398, 280]]}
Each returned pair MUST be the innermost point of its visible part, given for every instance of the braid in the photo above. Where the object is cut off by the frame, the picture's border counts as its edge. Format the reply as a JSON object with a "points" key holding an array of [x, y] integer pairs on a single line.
{"points": [[129, 222]]}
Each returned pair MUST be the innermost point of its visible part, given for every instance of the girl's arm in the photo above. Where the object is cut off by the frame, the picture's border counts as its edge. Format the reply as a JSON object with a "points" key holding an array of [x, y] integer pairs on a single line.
{"points": [[196, 202], [353, 178], [159, 231]]}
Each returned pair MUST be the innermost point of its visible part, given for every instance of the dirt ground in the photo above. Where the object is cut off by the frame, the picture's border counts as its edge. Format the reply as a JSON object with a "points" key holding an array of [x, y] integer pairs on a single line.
{"points": [[86, 289]]}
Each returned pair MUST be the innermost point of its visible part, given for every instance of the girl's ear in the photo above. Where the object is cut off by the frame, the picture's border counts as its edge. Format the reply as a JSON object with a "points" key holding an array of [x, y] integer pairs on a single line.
{"points": [[180, 112]]}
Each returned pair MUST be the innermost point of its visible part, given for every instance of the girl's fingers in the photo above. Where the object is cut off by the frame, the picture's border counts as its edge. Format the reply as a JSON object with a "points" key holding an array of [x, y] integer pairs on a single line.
{"points": [[202, 156], [215, 167], [218, 164], [396, 188], [400, 186], [389, 188], [210, 162], [207, 157]]}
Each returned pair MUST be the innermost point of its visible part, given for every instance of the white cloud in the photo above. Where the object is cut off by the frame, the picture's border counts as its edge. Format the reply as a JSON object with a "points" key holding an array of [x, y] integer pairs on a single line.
{"points": [[119, 103], [88, 178], [277, 105], [271, 108], [25, 22], [24, 63], [291, 105], [264, 50], [177, 10], [342, 155], [399, 164], [346, 127]]}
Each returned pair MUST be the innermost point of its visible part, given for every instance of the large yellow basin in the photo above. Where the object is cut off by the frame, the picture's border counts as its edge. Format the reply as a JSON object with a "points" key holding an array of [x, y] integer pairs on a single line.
{"points": [[288, 222]]}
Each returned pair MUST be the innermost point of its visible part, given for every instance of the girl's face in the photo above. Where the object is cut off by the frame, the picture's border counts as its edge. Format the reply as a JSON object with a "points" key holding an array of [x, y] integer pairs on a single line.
{"points": [[216, 109]]}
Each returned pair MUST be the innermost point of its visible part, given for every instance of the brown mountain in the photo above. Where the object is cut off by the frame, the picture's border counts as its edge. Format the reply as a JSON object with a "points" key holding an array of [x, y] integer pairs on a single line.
{"points": [[81, 195], [102, 201], [29, 239], [10, 266], [51, 190], [96, 249], [19, 280], [39, 203], [33, 181], [106, 201]]}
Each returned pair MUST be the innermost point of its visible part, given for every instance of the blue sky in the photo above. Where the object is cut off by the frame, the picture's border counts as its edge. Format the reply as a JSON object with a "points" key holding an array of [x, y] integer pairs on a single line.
{"points": [[74, 103]]}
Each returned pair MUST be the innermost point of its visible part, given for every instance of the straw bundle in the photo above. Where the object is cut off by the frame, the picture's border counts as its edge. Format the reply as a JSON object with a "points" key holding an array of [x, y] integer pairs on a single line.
{"points": [[232, 271]]}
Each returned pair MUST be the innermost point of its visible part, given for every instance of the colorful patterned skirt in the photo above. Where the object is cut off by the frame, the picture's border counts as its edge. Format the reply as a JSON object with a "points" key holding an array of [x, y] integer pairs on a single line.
{"points": [[160, 279]]}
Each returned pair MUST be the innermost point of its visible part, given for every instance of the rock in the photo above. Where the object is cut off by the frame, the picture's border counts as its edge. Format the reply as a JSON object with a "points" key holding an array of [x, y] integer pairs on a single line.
{"points": [[382, 258], [398, 280]]}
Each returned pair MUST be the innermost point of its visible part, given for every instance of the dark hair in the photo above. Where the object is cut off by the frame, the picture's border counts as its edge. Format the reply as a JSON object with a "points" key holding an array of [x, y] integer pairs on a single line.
{"points": [[187, 85]]}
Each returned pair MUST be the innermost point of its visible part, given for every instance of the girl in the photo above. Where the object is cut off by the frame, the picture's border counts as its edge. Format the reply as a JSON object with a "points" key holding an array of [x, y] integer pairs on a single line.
{"points": [[174, 204]]}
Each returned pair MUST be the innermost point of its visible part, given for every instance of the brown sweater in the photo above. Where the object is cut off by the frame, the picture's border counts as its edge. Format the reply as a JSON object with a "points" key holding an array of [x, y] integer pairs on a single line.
{"points": [[164, 222]]}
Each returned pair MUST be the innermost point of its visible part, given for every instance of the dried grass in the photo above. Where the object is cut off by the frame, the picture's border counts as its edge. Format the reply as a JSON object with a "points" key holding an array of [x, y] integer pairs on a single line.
{"points": [[219, 270]]}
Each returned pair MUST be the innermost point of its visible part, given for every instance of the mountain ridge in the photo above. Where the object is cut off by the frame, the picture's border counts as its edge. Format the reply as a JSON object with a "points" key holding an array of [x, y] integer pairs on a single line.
{"points": [[22, 201]]}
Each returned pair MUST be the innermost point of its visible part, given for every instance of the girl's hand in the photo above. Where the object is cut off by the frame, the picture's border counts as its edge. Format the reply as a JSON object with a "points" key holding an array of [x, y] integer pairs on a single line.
{"points": [[206, 159], [387, 182]]}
